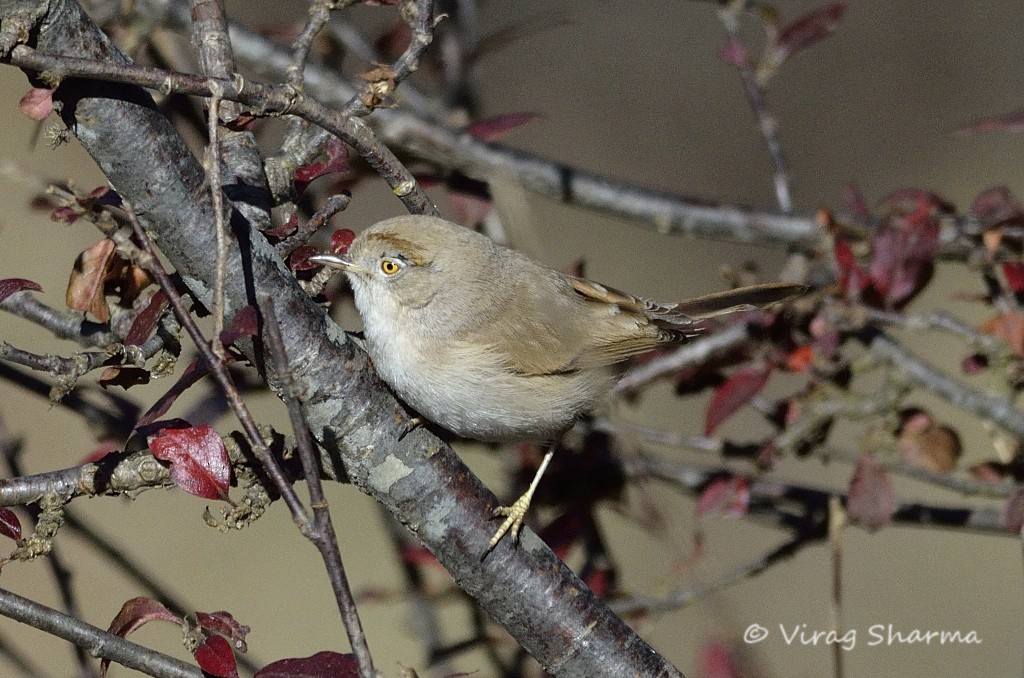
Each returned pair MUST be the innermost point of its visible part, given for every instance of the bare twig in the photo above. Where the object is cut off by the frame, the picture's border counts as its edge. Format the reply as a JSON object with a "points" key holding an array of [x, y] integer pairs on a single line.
{"points": [[999, 409], [729, 16], [95, 640], [321, 529], [269, 99]]}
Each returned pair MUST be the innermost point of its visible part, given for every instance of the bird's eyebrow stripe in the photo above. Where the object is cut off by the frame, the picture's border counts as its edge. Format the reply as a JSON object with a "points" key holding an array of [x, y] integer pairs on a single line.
{"points": [[411, 251]]}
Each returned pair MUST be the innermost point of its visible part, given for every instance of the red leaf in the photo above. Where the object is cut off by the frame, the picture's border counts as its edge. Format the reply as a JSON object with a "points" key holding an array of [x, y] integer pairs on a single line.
{"points": [[734, 393], [808, 30], [902, 251], [134, 614], [320, 665], [299, 259], [1008, 122], [245, 323], [1013, 511], [37, 103], [852, 278], [728, 496], [600, 577], [1014, 273], [195, 371], [9, 286], [285, 229], [717, 662], [10, 526], [996, 206], [418, 555], [105, 447], [215, 657], [226, 625], [871, 501], [85, 287], [495, 127], [566, 530], [854, 200], [341, 239], [199, 462], [146, 320], [800, 358], [337, 161]]}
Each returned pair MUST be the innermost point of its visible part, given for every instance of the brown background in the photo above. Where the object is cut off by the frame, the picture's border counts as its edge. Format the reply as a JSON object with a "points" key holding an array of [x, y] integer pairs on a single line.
{"points": [[633, 90]]}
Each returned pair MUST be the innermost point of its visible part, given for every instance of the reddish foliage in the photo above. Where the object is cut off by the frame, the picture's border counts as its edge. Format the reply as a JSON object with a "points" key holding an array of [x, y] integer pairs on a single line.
{"points": [[146, 320], [10, 525], [9, 286], [134, 614], [734, 393], [37, 103], [226, 625], [285, 229], [85, 288], [341, 240], [996, 207], [808, 30], [336, 162], [800, 358], [716, 661], [419, 555], [1008, 122], [1009, 327], [195, 371], [496, 127], [600, 577], [245, 323], [855, 201], [1013, 271], [105, 447], [1013, 512], [871, 502], [852, 278], [565, 531], [199, 462], [920, 441], [299, 259], [320, 665], [903, 249], [728, 496], [215, 657]]}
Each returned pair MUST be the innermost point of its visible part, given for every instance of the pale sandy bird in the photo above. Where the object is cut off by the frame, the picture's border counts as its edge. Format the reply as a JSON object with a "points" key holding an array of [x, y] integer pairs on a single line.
{"points": [[491, 345]]}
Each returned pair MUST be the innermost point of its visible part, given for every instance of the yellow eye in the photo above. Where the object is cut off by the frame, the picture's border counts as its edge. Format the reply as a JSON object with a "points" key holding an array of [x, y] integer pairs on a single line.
{"points": [[389, 267]]}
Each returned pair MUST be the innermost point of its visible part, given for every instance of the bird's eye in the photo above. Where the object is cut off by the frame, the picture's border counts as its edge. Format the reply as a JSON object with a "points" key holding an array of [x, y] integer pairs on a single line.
{"points": [[389, 266]]}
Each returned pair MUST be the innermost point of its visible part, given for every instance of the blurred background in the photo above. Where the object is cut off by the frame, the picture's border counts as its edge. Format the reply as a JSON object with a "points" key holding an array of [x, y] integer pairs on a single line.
{"points": [[634, 90]]}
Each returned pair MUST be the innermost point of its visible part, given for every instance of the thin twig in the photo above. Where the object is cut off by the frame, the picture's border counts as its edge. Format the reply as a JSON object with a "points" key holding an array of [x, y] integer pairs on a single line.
{"points": [[10, 451], [97, 641], [148, 260], [321, 529], [998, 409], [217, 198], [697, 352], [136, 573], [759, 105], [266, 98]]}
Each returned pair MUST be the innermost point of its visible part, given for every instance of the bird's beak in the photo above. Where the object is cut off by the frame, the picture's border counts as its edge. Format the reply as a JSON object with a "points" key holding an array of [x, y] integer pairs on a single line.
{"points": [[336, 261]]}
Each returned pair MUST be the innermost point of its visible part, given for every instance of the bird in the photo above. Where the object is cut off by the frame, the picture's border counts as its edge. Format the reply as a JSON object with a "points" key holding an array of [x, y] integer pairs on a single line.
{"points": [[491, 345]]}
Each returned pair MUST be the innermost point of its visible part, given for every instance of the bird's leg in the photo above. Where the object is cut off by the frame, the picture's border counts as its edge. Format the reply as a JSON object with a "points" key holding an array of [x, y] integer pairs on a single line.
{"points": [[517, 511]]}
